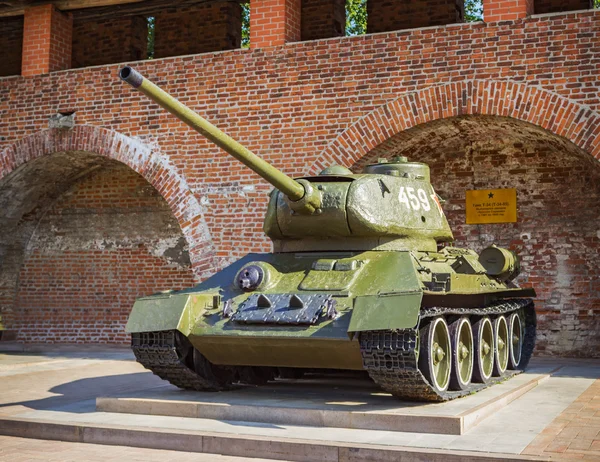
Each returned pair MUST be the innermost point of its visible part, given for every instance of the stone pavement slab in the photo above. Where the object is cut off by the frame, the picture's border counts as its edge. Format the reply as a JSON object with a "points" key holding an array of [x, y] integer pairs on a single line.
{"points": [[65, 396]]}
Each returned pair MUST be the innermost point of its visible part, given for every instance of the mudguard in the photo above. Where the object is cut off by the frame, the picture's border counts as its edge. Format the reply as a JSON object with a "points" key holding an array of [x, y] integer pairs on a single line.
{"points": [[386, 312], [174, 311], [393, 309]]}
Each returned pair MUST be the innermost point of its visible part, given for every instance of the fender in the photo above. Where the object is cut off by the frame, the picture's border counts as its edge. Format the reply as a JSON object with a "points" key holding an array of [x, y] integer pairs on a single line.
{"points": [[393, 309], [170, 311]]}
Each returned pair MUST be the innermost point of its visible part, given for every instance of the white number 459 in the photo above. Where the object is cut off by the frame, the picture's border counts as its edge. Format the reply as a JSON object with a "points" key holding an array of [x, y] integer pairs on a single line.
{"points": [[408, 197]]}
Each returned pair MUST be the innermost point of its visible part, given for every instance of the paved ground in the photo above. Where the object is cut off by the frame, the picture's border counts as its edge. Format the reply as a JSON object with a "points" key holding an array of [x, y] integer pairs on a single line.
{"points": [[25, 449], [575, 433], [560, 418]]}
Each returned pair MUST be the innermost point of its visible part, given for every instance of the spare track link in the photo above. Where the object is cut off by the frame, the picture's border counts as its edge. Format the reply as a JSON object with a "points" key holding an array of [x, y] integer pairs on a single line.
{"points": [[390, 358], [158, 352]]}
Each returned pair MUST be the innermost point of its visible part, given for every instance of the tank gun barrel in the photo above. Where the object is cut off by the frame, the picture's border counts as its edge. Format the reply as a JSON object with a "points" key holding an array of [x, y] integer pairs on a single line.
{"points": [[303, 198]]}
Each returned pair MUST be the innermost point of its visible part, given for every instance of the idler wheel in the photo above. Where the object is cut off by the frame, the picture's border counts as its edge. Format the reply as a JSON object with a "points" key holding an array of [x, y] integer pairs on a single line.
{"points": [[516, 335], [501, 352], [435, 354], [483, 343], [461, 335]]}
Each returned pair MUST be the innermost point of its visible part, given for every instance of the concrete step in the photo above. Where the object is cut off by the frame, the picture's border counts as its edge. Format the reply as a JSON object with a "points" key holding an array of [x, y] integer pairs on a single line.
{"points": [[238, 445], [452, 418]]}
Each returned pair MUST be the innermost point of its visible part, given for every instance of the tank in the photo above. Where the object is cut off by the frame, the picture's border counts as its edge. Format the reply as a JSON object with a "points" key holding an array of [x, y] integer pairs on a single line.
{"points": [[362, 276]]}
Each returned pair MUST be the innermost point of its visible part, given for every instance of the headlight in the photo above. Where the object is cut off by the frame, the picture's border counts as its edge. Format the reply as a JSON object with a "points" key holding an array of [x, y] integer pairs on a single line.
{"points": [[250, 278]]}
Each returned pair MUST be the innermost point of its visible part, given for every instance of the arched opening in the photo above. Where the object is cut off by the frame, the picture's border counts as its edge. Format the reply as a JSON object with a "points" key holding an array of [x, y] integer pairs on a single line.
{"points": [[81, 237], [558, 192]]}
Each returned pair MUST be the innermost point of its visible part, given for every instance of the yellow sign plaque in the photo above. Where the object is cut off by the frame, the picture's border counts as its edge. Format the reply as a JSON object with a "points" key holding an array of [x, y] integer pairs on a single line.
{"points": [[491, 206]]}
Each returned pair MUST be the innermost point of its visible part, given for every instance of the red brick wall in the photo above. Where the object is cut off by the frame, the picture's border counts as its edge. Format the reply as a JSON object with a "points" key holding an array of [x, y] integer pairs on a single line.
{"points": [[198, 29], [109, 239], [323, 19], [386, 15], [555, 6], [114, 40], [11, 44], [311, 103]]}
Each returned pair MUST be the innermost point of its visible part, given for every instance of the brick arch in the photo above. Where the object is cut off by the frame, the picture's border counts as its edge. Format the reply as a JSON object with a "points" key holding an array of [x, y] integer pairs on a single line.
{"points": [[569, 119], [144, 159]]}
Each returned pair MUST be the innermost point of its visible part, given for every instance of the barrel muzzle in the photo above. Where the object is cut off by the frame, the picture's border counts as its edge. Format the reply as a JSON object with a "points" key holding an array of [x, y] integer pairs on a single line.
{"points": [[131, 76]]}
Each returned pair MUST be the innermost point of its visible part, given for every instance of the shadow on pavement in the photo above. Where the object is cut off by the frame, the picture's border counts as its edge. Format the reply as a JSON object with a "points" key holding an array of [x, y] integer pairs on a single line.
{"points": [[76, 396]]}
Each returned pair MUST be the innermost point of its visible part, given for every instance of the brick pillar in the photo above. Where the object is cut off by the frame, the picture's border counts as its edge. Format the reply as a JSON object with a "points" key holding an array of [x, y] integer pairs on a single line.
{"points": [[274, 22], [46, 40], [506, 10]]}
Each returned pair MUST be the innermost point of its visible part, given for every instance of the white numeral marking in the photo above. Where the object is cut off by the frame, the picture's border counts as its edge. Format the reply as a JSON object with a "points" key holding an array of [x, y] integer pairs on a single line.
{"points": [[424, 200], [404, 198], [407, 197], [414, 201]]}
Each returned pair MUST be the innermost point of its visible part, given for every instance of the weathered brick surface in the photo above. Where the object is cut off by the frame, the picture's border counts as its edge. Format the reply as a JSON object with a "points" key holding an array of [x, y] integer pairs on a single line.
{"points": [[305, 105], [109, 239], [198, 29], [113, 40], [386, 15], [11, 44]]}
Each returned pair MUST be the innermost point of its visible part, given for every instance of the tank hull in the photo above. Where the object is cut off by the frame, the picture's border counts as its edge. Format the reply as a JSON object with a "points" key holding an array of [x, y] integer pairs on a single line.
{"points": [[382, 303]]}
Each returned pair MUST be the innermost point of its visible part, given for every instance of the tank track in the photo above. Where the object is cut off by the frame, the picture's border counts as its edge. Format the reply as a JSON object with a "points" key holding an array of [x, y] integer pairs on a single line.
{"points": [[158, 352], [391, 361]]}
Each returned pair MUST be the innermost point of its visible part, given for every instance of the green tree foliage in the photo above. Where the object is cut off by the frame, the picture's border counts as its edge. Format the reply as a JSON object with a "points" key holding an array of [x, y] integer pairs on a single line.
{"points": [[245, 25], [474, 10], [596, 3], [356, 17], [151, 29]]}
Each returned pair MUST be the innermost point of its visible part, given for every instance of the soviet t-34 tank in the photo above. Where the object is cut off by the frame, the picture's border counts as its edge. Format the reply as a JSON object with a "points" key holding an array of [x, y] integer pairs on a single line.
{"points": [[361, 277]]}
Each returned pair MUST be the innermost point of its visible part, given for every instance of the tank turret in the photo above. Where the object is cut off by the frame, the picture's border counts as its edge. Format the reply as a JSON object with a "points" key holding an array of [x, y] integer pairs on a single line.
{"points": [[358, 281]]}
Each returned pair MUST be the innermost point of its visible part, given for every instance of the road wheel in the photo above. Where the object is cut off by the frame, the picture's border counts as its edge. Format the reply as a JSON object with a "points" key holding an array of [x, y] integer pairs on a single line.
{"points": [[461, 335], [515, 329], [501, 352], [483, 342], [435, 354]]}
